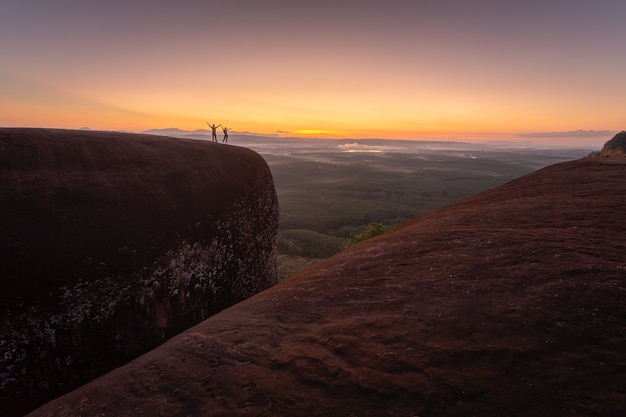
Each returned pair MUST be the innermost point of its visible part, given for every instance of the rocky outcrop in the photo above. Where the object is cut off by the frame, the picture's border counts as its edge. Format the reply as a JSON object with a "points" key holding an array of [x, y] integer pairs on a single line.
{"points": [[111, 243], [510, 302], [616, 146]]}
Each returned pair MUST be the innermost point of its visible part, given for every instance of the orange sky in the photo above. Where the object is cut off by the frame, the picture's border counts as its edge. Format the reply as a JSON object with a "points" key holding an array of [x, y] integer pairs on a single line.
{"points": [[393, 69]]}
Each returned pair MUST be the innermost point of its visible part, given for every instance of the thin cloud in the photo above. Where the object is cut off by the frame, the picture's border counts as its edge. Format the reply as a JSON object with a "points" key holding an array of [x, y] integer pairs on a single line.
{"points": [[23, 89], [314, 132], [572, 133]]}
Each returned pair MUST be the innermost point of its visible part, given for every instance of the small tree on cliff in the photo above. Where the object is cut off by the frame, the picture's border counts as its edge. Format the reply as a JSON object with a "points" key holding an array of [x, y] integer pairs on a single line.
{"points": [[373, 229]]}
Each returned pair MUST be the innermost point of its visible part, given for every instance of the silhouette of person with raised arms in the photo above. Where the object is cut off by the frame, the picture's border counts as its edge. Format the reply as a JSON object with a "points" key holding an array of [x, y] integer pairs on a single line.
{"points": [[213, 131], [225, 130]]}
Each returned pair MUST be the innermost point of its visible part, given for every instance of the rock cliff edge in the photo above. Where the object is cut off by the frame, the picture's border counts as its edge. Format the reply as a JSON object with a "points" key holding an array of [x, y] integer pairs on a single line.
{"points": [[111, 243]]}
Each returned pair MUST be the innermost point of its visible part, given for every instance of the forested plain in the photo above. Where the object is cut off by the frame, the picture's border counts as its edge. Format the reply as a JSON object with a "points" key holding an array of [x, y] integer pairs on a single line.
{"points": [[329, 191]]}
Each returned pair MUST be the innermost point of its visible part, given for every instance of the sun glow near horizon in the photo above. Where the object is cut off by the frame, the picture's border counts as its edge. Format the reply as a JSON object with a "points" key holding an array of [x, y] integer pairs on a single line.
{"points": [[296, 123], [430, 72], [401, 115]]}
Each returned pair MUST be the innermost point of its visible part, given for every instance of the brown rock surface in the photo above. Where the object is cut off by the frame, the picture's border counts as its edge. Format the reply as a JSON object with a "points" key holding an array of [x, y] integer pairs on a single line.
{"points": [[111, 243], [615, 147], [508, 303]]}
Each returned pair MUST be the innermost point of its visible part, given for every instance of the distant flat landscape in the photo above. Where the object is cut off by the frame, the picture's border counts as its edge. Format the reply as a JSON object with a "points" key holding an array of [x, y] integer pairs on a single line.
{"points": [[330, 190]]}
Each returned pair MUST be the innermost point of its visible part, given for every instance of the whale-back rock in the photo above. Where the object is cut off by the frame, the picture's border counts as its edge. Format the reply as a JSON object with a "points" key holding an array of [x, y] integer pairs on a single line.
{"points": [[510, 302], [111, 243]]}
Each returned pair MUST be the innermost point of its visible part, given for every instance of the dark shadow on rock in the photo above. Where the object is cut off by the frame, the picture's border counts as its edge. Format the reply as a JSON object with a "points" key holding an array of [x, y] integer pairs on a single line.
{"points": [[510, 302], [111, 243]]}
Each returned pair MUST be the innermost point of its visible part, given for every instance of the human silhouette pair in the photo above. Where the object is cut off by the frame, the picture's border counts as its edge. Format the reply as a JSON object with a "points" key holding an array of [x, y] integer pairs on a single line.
{"points": [[214, 132]]}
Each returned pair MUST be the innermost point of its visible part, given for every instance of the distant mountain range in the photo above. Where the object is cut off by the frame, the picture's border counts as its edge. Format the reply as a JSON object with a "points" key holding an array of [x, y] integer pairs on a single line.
{"points": [[176, 132]]}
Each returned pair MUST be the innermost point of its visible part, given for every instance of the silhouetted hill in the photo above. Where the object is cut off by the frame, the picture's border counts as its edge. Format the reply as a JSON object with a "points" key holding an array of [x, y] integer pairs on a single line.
{"points": [[616, 146], [510, 302]]}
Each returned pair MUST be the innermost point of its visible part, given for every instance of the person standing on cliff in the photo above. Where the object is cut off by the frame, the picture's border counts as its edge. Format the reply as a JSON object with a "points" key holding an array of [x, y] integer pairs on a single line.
{"points": [[213, 131], [225, 130]]}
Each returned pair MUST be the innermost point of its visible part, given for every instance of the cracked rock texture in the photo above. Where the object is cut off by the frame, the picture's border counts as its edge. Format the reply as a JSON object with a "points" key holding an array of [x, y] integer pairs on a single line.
{"points": [[111, 243]]}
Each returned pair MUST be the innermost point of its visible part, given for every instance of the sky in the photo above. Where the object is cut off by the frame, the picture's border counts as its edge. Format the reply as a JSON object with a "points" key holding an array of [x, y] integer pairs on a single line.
{"points": [[411, 69]]}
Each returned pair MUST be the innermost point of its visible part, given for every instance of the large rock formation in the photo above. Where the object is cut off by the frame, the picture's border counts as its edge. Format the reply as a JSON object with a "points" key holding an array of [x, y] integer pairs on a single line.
{"points": [[510, 302], [111, 243]]}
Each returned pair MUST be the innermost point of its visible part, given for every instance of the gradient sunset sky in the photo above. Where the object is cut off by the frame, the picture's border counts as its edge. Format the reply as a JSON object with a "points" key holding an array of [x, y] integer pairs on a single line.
{"points": [[356, 69]]}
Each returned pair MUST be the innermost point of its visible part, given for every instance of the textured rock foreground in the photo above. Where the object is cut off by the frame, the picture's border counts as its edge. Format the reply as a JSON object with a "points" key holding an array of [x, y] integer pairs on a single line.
{"points": [[510, 302], [111, 243]]}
